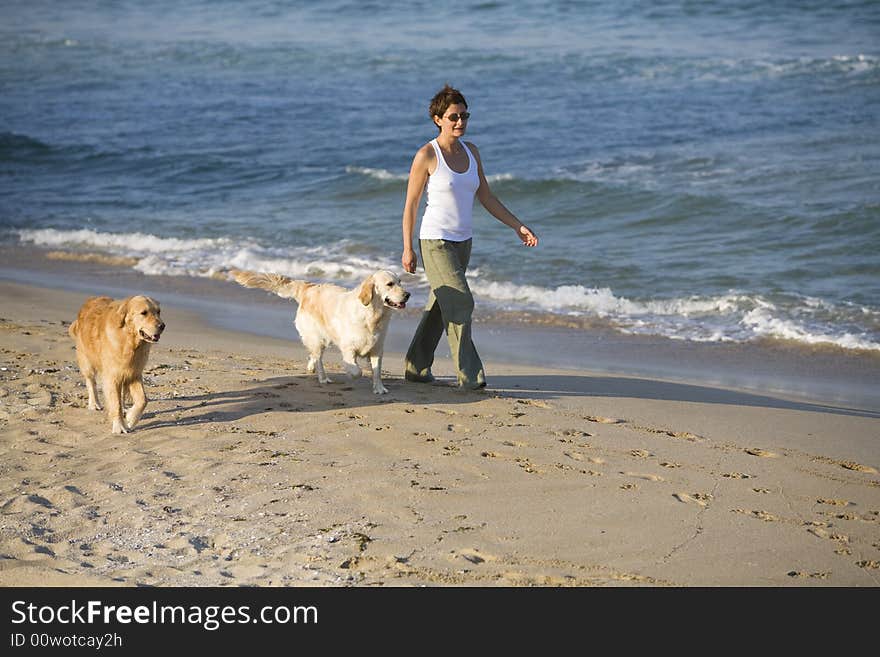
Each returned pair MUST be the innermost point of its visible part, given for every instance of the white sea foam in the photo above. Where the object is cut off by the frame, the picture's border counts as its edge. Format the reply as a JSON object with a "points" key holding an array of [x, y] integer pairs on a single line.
{"points": [[497, 177], [731, 69], [128, 242], [763, 324], [720, 318], [603, 302], [729, 317], [379, 174], [385, 175], [157, 256]]}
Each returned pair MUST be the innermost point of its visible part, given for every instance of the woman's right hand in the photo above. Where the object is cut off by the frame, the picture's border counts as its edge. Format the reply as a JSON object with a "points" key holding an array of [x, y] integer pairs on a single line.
{"points": [[409, 261]]}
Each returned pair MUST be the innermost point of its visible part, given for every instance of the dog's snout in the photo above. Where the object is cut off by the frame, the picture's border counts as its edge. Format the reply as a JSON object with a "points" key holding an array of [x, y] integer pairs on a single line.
{"points": [[406, 296], [161, 327]]}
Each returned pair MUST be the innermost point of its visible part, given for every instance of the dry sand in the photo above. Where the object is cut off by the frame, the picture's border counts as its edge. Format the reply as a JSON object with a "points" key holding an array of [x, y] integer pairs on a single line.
{"points": [[245, 471]]}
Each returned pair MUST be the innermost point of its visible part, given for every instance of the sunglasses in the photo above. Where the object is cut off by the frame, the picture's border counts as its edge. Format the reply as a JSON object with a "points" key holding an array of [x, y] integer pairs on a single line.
{"points": [[464, 116]]}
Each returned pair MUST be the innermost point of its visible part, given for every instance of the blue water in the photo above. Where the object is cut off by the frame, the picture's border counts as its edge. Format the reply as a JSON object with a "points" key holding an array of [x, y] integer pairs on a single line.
{"points": [[698, 170]]}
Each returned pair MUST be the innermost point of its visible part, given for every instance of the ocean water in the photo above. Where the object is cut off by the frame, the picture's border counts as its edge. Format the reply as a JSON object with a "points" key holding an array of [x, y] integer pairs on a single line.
{"points": [[704, 171]]}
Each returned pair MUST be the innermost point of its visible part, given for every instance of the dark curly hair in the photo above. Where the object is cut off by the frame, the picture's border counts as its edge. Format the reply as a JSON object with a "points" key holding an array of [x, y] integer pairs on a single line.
{"points": [[443, 99]]}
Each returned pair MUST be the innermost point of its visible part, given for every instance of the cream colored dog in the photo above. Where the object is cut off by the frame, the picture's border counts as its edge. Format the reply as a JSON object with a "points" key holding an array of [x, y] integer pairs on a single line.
{"points": [[113, 339], [354, 320]]}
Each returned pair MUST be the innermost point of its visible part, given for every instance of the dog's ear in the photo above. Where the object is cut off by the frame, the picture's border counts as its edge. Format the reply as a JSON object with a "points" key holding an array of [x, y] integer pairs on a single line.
{"points": [[365, 292], [122, 311]]}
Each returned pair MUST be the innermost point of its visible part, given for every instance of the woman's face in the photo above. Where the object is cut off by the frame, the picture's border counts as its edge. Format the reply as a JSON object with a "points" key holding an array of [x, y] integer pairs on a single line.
{"points": [[452, 128]]}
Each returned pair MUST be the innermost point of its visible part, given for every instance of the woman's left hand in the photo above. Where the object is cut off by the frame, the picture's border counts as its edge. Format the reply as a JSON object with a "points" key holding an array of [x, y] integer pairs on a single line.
{"points": [[527, 236]]}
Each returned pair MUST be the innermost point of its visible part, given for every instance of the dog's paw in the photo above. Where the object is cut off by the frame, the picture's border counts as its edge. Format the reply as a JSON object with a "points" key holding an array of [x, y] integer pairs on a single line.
{"points": [[326, 379], [118, 427], [96, 407], [380, 390]]}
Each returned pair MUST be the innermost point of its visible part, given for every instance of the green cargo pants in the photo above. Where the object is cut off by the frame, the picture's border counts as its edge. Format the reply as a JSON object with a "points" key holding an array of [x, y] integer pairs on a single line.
{"points": [[450, 306]]}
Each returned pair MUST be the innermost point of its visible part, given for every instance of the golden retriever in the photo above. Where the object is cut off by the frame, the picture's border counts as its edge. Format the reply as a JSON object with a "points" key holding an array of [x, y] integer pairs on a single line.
{"points": [[355, 320], [113, 339]]}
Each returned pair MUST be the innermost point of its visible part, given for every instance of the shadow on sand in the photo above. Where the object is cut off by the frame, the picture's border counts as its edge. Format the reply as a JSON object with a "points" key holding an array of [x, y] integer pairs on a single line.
{"points": [[282, 394], [558, 386]]}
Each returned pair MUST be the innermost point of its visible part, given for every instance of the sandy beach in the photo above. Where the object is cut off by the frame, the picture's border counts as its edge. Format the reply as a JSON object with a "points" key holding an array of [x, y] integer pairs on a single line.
{"points": [[245, 471]]}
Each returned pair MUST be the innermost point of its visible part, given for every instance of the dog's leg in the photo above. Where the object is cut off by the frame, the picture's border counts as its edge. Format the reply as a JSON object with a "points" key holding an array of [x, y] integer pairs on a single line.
{"points": [[93, 392], [316, 364], [376, 364], [113, 396], [139, 399], [88, 372], [349, 362]]}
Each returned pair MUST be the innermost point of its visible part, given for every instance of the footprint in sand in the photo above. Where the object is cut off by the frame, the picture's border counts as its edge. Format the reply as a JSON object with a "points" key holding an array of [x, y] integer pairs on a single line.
{"points": [[757, 451], [527, 465], [818, 532], [572, 433], [473, 555], [577, 456], [649, 477], [818, 575], [849, 465], [42, 501], [640, 453], [760, 515], [686, 435], [858, 467], [736, 475], [603, 420], [700, 499], [833, 502], [534, 402], [38, 396]]}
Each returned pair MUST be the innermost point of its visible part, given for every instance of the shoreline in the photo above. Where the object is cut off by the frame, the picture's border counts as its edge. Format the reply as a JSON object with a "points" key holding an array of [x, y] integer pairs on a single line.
{"points": [[818, 374]]}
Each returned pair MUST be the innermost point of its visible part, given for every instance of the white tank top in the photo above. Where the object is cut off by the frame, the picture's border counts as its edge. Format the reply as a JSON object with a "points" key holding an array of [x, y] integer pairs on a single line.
{"points": [[450, 200]]}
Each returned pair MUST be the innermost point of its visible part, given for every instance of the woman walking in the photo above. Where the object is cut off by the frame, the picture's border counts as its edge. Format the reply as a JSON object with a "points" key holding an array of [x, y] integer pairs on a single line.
{"points": [[451, 172]]}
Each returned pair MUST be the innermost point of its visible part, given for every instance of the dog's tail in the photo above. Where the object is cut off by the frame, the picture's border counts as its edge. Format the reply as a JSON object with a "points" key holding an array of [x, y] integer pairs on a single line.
{"points": [[71, 330], [281, 285]]}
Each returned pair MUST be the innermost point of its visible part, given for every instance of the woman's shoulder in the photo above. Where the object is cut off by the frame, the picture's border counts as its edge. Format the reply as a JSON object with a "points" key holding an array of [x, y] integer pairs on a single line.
{"points": [[472, 147], [425, 153]]}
